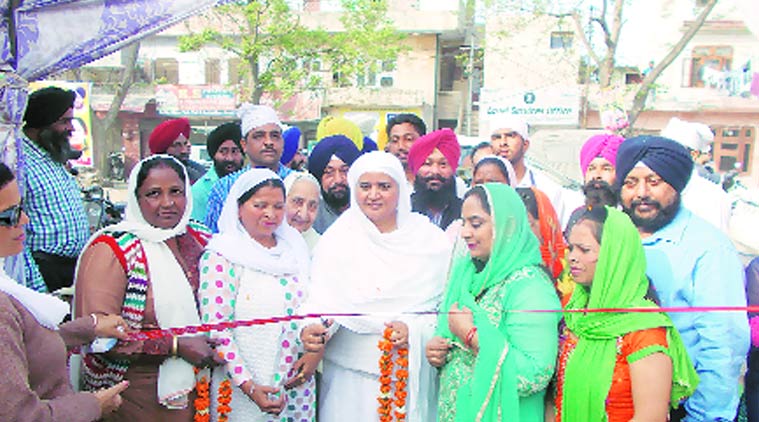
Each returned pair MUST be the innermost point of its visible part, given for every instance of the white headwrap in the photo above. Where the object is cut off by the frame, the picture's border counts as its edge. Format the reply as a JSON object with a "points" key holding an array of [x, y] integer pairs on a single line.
{"points": [[233, 242], [254, 116], [696, 136], [299, 175], [173, 299], [508, 121], [47, 309], [509, 168], [358, 269]]}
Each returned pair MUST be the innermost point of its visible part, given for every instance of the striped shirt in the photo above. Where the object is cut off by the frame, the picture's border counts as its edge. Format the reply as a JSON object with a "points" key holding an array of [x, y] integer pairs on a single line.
{"points": [[53, 201], [221, 189]]}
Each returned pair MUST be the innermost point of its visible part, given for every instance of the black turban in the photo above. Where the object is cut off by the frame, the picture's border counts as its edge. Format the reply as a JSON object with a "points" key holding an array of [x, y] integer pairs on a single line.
{"points": [[47, 105], [338, 145], [670, 160], [223, 133]]}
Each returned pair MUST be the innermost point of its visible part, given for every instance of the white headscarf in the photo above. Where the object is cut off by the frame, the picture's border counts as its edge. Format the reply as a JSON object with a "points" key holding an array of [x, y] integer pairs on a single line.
{"points": [[47, 309], [233, 242], [173, 299], [254, 116], [508, 121], [509, 168], [300, 175]]}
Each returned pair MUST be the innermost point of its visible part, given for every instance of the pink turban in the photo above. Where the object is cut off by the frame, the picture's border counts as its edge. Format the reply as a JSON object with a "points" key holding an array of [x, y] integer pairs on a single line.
{"points": [[444, 140], [603, 145]]}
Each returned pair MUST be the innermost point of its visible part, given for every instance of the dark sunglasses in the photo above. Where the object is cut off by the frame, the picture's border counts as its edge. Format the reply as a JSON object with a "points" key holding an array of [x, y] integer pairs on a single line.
{"points": [[11, 216]]}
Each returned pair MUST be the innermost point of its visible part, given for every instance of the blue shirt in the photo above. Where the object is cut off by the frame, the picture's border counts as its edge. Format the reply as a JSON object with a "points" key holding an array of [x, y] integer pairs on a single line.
{"points": [[53, 201], [200, 191], [691, 263], [221, 189]]}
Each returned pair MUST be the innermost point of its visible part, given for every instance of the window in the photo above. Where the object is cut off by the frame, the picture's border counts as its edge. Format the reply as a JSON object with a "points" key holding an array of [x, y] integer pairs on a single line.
{"points": [[561, 39], [166, 71], [733, 146], [213, 72], [708, 65], [381, 76]]}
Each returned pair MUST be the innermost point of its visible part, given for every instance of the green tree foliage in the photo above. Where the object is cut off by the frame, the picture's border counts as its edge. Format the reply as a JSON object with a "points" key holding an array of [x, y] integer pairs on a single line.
{"points": [[278, 51]]}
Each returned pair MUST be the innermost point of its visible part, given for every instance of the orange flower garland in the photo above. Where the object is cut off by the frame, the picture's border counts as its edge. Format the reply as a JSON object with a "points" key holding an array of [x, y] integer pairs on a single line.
{"points": [[385, 397], [202, 402]]}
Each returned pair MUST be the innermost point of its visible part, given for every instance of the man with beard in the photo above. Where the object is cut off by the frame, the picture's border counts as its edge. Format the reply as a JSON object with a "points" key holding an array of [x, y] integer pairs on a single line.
{"points": [[509, 137], [223, 145], [172, 137], [433, 159], [263, 145], [329, 163], [402, 131], [58, 228], [598, 158], [701, 196], [690, 264]]}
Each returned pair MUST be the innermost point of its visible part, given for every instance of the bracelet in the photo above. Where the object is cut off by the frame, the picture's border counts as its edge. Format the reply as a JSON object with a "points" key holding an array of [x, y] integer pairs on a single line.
{"points": [[250, 390], [470, 337], [94, 319], [174, 345]]}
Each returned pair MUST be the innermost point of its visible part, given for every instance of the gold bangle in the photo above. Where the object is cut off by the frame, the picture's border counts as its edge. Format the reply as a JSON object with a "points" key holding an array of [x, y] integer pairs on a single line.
{"points": [[174, 345]]}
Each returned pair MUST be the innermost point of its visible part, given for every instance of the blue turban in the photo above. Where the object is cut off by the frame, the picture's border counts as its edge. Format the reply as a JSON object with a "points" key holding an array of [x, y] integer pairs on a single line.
{"points": [[292, 139], [369, 145], [338, 145], [670, 160]]}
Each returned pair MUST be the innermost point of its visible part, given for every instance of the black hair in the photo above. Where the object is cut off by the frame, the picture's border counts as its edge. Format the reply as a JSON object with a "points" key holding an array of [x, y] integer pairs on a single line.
{"points": [[596, 216], [530, 202], [413, 119], [479, 193], [6, 175], [275, 183], [481, 145], [156, 162], [496, 162]]}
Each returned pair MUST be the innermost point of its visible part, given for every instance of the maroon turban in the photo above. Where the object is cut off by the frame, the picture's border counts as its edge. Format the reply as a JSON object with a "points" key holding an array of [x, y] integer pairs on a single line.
{"points": [[444, 140], [166, 133]]}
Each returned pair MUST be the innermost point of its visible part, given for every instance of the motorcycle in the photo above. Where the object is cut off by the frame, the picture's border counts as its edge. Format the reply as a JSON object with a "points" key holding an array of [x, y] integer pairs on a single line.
{"points": [[101, 212], [116, 165]]}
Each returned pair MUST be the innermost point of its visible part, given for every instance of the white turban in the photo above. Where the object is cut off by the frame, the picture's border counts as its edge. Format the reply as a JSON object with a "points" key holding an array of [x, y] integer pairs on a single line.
{"points": [[510, 122], [254, 116], [696, 136]]}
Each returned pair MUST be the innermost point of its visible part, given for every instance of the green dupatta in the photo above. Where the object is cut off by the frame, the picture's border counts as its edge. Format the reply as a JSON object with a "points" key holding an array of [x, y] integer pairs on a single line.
{"points": [[619, 282], [494, 382]]}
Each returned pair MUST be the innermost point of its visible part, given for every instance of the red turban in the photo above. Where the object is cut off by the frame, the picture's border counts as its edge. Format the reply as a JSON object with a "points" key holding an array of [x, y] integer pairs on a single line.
{"points": [[444, 140], [166, 133]]}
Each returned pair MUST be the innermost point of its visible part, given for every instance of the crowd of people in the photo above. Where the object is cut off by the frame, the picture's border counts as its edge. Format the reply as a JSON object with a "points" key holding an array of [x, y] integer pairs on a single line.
{"points": [[394, 290]]}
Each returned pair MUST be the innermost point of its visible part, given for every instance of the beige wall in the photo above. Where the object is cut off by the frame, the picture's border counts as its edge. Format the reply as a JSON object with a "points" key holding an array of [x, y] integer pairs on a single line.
{"points": [[518, 54]]}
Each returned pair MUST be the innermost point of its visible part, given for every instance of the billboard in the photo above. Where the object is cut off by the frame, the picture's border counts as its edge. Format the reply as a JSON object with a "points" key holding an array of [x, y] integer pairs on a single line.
{"points": [[555, 106], [81, 139], [196, 100]]}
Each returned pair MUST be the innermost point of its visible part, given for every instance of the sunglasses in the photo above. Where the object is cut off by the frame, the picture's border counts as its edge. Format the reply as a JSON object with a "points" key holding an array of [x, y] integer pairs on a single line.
{"points": [[11, 216]]}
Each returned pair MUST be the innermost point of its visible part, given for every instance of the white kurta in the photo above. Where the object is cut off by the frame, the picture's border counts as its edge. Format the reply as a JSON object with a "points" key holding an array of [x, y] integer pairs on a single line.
{"points": [[708, 201], [564, 201]]}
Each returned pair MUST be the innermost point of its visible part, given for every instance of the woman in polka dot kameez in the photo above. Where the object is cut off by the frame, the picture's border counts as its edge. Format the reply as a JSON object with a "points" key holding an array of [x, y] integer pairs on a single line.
{"points": [[256, 267]]}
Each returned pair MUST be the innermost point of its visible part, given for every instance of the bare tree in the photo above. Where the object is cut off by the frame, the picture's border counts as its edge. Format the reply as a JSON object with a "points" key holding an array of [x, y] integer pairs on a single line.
{"points": [[105, 130], [610, 22]]}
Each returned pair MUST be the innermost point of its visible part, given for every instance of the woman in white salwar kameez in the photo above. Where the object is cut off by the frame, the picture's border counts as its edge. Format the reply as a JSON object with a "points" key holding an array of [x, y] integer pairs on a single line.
{"points": [[257, 267], [389, 265]]}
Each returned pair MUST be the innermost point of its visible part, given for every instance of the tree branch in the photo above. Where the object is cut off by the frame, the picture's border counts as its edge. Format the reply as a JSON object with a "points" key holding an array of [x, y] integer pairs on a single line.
{"points": [[584, 38]]}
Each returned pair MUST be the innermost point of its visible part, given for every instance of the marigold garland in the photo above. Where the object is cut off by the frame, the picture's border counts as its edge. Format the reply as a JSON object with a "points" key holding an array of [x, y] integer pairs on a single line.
{"points": [[202, 402], [386, 396]]}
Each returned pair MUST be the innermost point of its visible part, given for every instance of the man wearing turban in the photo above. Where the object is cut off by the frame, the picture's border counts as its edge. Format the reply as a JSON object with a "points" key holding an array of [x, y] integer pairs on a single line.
{"points": [[690, 264], [329, 163], [58, 227], [402, 131], [172, 137], [263, 144], [510, 139], [598, 162], [223, 146], [433, 160], [701, 196]]}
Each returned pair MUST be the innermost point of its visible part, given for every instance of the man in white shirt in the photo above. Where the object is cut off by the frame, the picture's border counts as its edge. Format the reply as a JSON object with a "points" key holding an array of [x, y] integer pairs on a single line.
{"points": [[510, 139]]}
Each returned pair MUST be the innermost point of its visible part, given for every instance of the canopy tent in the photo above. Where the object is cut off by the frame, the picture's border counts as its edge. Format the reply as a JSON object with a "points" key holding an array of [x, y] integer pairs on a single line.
{"points": [[39, 38]]}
